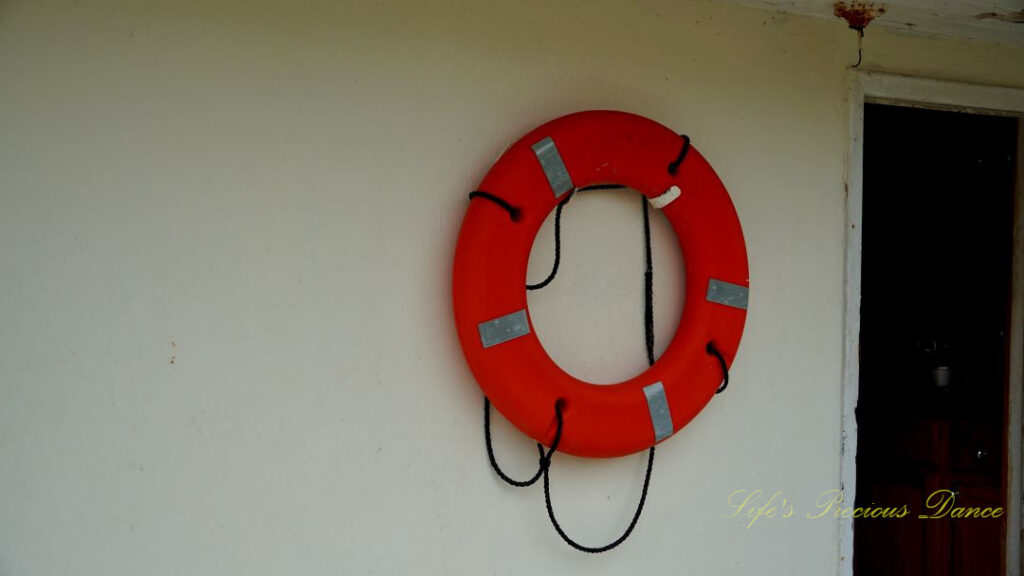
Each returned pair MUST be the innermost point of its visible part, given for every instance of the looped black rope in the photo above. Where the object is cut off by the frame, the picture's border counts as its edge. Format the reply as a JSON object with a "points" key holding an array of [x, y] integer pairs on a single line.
{"points": [[649, 341], [620, 539], [544, 465], [558, 230], [558, 244], [721, 361], [545, 459], [513, 212], [673, 168]]}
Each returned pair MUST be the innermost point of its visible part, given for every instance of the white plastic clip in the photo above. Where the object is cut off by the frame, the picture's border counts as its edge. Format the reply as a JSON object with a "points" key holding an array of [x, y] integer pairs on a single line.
{"points": [[659, 202]]}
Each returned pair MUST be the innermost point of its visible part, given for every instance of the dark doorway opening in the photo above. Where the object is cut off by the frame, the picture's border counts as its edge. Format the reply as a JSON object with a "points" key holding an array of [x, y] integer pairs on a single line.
{"points": [[936, 270]]}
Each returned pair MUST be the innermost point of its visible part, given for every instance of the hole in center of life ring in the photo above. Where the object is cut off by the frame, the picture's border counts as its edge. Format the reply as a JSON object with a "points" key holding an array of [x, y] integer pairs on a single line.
{"points": [[590, 319]]}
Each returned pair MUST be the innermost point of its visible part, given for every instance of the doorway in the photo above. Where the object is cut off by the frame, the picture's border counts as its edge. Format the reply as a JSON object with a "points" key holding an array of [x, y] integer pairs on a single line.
{"points": [[936, 275]]}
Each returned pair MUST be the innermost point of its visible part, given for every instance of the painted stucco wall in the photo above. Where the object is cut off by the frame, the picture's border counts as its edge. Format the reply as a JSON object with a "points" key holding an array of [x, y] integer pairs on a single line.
{"points": [[226, 232]]}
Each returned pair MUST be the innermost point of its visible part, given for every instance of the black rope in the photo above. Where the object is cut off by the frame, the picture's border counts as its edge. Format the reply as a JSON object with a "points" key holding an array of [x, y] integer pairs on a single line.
{"points": [[558, 244], [545, 459], [620, 539], [673, 168], [648, 286], [649, 341], [721, 361], [513, 212], [601, 187]]}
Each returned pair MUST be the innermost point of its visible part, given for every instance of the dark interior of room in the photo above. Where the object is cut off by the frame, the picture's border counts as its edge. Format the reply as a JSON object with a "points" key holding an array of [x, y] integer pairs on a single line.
{"points": [[936, 273]]}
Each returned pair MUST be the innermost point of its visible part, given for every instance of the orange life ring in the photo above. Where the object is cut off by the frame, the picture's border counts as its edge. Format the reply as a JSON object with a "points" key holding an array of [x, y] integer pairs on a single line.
{"points": [[489, 279]]}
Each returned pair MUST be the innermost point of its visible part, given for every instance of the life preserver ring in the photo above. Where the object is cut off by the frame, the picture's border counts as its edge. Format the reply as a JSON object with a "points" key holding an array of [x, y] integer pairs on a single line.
{"points": [[489, 279]]}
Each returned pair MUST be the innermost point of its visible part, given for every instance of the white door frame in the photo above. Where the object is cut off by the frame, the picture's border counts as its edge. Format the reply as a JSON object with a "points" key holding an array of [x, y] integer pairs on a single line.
{"points": [[927, 93]]}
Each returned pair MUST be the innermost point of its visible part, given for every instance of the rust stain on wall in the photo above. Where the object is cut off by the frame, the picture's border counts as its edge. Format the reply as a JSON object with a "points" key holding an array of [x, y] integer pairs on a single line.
{"points": [[858, 14]]}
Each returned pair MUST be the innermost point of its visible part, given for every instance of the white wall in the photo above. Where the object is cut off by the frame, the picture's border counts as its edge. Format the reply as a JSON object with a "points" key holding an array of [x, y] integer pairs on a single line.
{"points": [[226, 231]]}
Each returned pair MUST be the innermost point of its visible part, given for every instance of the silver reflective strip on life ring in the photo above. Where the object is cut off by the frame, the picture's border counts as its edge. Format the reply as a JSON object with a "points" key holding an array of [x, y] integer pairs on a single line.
{"points": [[503, 328], [727, 294], [657, 405], [554, 168]]}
